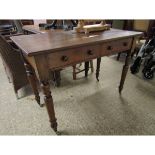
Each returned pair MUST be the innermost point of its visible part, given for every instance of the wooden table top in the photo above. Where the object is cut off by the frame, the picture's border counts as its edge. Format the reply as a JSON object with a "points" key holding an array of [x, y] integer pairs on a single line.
{"points": [[52, 40]]}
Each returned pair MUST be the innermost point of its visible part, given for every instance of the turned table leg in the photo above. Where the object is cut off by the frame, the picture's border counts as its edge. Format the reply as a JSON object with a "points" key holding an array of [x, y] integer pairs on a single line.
{"points": [[98, 68], [124, 71], [49, 104], [32, 80], [86, 68]]}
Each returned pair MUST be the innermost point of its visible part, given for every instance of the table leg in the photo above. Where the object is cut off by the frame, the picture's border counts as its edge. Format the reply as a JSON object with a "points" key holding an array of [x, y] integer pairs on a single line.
{"points": [[32, 80], [91, 66], [86, 68], [57, 77], [74, 72], [49, 104], [98, 68], [124, 71]]}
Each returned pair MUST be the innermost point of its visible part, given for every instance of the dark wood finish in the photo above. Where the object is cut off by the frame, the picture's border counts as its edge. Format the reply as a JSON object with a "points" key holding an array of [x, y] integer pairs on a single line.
{"points": [[62, 40], [126, 65], [98, 68], [86, 68], [43, 75], [55, 50], [57, 77], [77, 70], [113, 47], [49, 104]]}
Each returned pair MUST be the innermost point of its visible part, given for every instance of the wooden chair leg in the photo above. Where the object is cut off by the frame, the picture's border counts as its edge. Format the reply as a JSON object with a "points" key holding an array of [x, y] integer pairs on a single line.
{"points": [[57, 78], [86, 68], [91, 66], [16, 93], [74, 72], [118, 56]]}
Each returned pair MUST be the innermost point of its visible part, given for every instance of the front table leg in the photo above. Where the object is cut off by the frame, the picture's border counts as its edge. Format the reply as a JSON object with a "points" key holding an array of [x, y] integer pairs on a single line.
{"points": [[124, 71], [49, 104], [98, 68]]}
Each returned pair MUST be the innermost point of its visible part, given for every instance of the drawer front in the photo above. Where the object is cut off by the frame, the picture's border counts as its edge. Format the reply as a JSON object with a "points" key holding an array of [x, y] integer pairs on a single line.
{"points": [[65, 57], [91, 52], [72, 56], [114, 47]]}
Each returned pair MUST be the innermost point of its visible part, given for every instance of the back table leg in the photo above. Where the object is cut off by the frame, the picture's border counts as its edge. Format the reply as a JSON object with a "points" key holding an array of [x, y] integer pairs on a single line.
{"points": [[86, 68]]}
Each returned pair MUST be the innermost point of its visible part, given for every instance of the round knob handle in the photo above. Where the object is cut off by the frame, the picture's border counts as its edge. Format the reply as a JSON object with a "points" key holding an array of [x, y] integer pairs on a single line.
{"points": [[64, 58], [90, 52], [109, 48], [125, 44]]}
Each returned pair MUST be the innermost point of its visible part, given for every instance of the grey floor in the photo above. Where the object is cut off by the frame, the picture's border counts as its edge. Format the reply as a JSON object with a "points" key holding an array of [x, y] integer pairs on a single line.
{"points": [[84, 106]]}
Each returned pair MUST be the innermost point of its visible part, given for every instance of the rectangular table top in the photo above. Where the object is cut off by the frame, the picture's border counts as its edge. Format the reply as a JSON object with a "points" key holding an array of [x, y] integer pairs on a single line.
{"points": [[59, 40]]}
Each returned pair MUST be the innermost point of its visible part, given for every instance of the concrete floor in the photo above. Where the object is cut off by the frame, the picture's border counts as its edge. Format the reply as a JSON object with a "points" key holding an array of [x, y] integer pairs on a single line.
{"points": [[84, 106]]}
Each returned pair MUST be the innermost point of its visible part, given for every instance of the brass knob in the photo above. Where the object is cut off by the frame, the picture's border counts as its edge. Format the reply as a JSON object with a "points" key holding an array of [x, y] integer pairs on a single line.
{"points": [[90, 52], [125, 44], [64, 58], [109, 48]]}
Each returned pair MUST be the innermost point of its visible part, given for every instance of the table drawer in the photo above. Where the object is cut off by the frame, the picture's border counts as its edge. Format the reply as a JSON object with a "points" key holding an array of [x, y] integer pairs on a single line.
{"points": [[65, 57], [116, 46], [91, 52]]}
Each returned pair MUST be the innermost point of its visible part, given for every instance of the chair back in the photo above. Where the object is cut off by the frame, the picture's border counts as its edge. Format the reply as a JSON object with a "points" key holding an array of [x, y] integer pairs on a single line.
{"points": [[10, 56], [141, 25], [118, 24]]}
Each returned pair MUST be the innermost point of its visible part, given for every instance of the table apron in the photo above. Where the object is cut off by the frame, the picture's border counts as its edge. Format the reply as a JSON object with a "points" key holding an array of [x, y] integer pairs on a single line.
{"points": [[73, 56]]}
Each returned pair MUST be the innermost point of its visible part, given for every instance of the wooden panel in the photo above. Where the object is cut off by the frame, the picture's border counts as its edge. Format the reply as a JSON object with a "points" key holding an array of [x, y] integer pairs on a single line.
{"points": [[116, 46]]}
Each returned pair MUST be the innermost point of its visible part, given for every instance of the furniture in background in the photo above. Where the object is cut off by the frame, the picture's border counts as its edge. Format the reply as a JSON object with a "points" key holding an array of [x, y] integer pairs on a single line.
{"points": [[13, 65], [7, 27], [27, 22], [122, 25], [77, 69], [144, 26], [56, 50]]}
